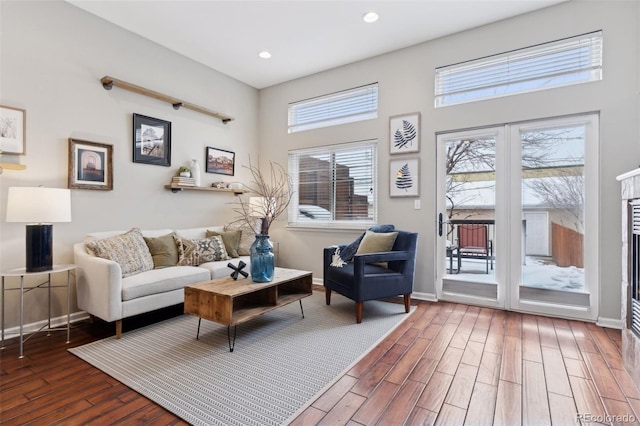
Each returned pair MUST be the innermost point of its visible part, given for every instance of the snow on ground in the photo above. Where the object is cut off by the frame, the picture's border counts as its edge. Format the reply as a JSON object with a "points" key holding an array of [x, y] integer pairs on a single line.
{"points": [[536, 272]]}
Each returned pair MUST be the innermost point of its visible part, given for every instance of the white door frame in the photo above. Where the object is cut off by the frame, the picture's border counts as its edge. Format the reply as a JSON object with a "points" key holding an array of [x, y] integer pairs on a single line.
{"points": [[508, 219]]}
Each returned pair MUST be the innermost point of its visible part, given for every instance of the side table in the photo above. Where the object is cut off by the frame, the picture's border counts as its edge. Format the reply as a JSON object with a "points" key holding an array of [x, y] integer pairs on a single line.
{"points": [[22, 273]]}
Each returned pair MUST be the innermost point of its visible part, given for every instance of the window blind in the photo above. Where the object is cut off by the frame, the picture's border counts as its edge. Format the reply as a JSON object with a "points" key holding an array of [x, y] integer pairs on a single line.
{"points": [[334, 186], [360, 103], [560, 63]]}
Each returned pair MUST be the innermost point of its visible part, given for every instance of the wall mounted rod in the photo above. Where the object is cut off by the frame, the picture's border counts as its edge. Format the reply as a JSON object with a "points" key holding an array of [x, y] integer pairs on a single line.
{"points": [[109, 82]]}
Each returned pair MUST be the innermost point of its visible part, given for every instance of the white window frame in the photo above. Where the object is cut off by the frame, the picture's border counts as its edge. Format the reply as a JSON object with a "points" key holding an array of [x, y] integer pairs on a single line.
{"points": [[297, 219], [564, 62], [347, 106]]}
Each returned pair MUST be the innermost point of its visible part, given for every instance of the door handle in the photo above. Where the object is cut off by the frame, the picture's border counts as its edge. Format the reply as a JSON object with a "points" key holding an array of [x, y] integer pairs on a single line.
{"points": [[440, 224]]}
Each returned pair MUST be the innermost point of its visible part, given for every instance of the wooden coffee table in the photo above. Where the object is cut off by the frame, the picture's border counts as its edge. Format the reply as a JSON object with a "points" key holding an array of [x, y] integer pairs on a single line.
{"points": [[230, 302]]}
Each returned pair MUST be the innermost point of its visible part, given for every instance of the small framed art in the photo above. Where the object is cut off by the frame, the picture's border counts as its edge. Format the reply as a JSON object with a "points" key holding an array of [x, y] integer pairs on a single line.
{"points": [[90, 165], [404, 177], [151, 140], [13, 127], [220, 161], [404, 133]]}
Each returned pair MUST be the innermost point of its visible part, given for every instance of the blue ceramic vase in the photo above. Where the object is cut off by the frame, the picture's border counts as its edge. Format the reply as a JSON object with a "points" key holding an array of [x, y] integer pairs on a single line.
{"points": [[262, 259]]}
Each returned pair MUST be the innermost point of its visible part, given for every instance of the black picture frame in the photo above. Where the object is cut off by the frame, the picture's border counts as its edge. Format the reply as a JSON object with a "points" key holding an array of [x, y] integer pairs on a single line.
{"points": [[220, 161], [151, 140]]}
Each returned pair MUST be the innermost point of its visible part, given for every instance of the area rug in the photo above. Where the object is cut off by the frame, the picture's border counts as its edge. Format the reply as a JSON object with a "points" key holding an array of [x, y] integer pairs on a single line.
{"points": [[280, 361]]}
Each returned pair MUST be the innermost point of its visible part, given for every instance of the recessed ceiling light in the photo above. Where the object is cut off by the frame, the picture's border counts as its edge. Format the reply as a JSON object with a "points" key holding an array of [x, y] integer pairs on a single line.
{"points": [[264, 54], [370, 17]]}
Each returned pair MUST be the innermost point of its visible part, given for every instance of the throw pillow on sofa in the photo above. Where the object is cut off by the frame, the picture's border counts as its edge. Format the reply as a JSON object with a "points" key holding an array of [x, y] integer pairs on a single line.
{"points": [[198, 251], [128, 250], [247, 237], [164, 251], [231, 240]]}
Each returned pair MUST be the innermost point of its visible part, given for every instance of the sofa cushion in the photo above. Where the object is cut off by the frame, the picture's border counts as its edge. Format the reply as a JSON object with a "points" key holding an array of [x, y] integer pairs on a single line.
{"points": [[247, 237], [164, 250], [221, 269], [231, 240], [162, 280], [195, 252], [128, 250]]}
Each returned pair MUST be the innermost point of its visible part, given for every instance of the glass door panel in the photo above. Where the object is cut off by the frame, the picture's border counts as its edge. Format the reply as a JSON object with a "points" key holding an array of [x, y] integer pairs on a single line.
{"points": [[552, 170], [467, 203]]}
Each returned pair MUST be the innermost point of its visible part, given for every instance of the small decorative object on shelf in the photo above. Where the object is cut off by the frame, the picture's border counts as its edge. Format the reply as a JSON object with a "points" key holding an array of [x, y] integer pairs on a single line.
{"points": [[195, 171], [183, 181], [238, 270], [184, 171], [273, 198]]}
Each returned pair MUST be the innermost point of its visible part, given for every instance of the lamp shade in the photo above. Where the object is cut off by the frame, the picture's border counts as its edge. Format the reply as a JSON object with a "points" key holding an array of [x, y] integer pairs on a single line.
{"points": [[38, 205]]}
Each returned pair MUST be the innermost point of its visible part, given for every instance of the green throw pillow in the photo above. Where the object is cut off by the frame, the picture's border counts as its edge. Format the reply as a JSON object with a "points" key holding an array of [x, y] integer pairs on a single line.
{"points": [[377, 242], [231, 239], [163, 250]]}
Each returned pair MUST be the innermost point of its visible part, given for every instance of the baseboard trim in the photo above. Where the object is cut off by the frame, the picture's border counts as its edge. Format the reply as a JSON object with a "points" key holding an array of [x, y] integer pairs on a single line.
{"points": [[609, 323], [429, 297], [56, 322]]}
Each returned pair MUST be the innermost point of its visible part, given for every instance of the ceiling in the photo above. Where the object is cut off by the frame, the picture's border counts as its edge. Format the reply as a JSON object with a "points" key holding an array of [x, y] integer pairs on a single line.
{"points": [[303, 36]]}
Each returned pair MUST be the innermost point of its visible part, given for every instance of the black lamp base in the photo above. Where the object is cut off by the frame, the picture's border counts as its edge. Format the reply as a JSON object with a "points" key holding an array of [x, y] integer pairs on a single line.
{"points": [[39, 248]]}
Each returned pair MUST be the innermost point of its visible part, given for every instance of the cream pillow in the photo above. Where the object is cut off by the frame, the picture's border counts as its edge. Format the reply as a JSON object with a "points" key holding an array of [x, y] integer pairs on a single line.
{"points": [[377, 242], [128, 250]]}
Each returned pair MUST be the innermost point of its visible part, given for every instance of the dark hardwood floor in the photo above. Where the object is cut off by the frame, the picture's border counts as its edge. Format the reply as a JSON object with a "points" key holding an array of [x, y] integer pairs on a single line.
{"points": [[447, 364]]}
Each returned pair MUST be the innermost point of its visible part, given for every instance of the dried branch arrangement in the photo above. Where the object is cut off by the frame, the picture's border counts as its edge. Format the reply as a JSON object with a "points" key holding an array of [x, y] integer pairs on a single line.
{"points": [[271, 195]]}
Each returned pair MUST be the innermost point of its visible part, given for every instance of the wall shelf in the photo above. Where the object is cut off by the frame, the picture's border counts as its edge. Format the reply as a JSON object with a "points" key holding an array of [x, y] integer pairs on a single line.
{"points": [[109, 82], [11, 166], [178, 188]]}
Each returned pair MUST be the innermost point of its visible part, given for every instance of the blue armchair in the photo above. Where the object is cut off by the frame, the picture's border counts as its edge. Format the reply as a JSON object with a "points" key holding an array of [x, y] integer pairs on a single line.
{"points": [[363, 280]]}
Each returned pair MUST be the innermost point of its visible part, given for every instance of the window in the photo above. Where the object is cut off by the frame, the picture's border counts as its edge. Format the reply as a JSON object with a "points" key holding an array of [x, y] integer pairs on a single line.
{"points": [[360, 103], [334, 186], [560, 63]]}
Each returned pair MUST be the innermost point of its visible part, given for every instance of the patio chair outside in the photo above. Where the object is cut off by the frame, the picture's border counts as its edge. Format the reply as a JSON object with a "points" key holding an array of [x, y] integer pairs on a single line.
{"points": [[474, 242]]}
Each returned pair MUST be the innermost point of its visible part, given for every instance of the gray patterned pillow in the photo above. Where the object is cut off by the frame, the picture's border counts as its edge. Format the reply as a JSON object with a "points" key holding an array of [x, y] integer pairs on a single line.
{"points": [[128, 250], [196, 252]]}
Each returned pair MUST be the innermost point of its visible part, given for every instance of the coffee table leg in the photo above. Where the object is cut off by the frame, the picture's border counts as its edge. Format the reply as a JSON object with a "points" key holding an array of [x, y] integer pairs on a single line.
{"points": [[301, 310], [231, 345], [198, 333]]}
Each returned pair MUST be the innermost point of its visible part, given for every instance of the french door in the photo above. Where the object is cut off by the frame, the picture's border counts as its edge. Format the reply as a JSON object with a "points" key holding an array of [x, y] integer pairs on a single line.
{"points": [[516, 216]]}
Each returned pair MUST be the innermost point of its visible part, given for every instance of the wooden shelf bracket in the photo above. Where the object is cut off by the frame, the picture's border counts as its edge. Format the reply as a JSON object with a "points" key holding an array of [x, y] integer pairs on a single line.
{"points": [[109, 82]]}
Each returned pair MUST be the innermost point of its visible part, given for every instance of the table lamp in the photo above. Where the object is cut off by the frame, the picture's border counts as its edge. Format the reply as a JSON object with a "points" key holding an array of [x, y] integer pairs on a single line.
{"points": [[39, 207]]}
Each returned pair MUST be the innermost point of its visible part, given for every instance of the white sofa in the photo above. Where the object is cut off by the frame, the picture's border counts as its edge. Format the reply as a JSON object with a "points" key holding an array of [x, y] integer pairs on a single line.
{"points": [[104, 293]]}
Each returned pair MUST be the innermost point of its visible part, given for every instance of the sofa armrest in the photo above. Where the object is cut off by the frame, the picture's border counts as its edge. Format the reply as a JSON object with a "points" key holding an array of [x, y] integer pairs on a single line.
{"points": [[98, 284]]}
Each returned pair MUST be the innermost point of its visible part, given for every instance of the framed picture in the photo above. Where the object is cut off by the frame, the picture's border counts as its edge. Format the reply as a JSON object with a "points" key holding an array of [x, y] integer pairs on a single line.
{"points": [[404, 177], [151, 140], [90, 165], [220, 161], [404, 133], [13, 128]]}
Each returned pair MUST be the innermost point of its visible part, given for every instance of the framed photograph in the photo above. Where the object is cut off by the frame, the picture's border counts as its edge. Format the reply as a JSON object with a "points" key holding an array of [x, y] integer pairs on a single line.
{"points": [[220, 161], [90, 165], [13, 128], [404, 133], [404, 177], [151, 140]]}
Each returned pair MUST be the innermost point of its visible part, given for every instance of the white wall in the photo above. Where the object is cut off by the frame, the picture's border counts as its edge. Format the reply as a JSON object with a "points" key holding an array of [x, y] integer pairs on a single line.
{"points": [[52, 57], [406, 85]]}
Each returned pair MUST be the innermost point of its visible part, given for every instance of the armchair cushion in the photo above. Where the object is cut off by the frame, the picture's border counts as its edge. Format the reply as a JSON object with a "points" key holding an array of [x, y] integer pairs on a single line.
{"points": [[346, 252], [374, 242]]}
